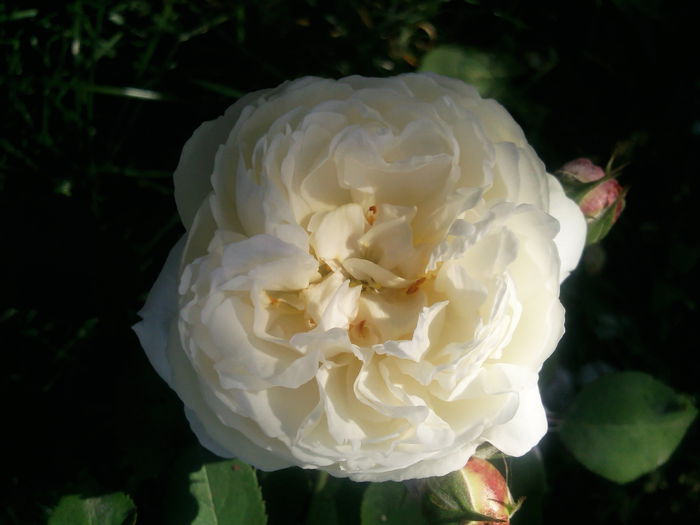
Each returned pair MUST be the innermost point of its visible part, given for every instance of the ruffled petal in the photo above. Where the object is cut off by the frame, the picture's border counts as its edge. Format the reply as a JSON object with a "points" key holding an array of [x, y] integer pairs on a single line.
{"points": [[196, 165], [527, 427], [159, 313], [571, 238]]}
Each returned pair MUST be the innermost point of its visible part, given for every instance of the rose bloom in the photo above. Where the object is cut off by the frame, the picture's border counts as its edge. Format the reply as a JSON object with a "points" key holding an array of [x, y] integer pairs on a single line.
{"points": [[369, 281]]}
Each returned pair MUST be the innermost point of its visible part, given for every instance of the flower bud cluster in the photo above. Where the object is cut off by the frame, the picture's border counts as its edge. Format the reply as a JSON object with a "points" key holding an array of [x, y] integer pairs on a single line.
{"points": [[599, 196]]}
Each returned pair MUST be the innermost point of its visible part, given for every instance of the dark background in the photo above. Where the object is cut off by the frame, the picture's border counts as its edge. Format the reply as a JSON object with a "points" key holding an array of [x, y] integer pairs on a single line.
{"points": [[87, 214]]}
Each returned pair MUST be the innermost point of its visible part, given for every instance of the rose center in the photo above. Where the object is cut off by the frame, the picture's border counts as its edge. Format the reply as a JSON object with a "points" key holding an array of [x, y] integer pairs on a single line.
{"points": [[369, 270]]}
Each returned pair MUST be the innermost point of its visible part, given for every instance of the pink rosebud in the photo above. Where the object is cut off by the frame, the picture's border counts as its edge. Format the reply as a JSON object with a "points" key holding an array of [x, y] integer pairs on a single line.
{"points": [[582, 170], [489, 490], [599, 196], [478, 493], [602, 197]]}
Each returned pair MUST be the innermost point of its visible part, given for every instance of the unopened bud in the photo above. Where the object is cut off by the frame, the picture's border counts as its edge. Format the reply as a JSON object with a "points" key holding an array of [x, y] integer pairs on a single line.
{"points": [[602, 198], [599, 195], [477, 493]]}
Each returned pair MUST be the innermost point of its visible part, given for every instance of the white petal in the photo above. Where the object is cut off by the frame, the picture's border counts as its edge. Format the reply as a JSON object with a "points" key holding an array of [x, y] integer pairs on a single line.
{"points": [[497, 122], [228, 442], [434, 224], [389, 242], [336, 234], [248, 362], [439, 465], [192, 176], [341, 308], [274, 264], [208, 425], [527, 427], [159, 313], [571, 238], [414, 348], [389, 315], [406, 182], [372, 273]]}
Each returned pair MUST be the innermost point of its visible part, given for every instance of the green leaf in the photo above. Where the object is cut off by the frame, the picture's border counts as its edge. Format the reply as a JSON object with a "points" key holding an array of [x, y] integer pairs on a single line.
{"points": [[626, 424], [110, 509], [389, 503], [470, 65], [227, 493]]}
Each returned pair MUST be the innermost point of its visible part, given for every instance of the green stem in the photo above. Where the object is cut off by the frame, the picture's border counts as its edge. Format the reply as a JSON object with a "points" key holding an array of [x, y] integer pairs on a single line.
{"points": [[320, 481]]}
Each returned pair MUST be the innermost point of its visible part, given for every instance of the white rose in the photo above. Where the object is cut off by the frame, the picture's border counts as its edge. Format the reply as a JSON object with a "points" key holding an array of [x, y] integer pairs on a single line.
{"points": [[369, 282]]}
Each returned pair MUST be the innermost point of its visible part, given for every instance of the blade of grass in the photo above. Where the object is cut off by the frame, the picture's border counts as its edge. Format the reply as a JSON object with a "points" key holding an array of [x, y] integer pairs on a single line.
{"points": [[218, 88]]}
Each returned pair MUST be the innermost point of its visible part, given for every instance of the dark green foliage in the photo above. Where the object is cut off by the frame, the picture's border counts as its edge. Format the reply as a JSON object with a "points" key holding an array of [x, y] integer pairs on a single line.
{"points": [[99, 97], [391, 503], [207, 490], [111, 509], [626, 424]]}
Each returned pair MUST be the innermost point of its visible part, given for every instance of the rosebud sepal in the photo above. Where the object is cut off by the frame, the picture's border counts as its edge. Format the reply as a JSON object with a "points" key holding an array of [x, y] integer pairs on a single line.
{"points": [[443, 510], [475, 494], [577, 190]]}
